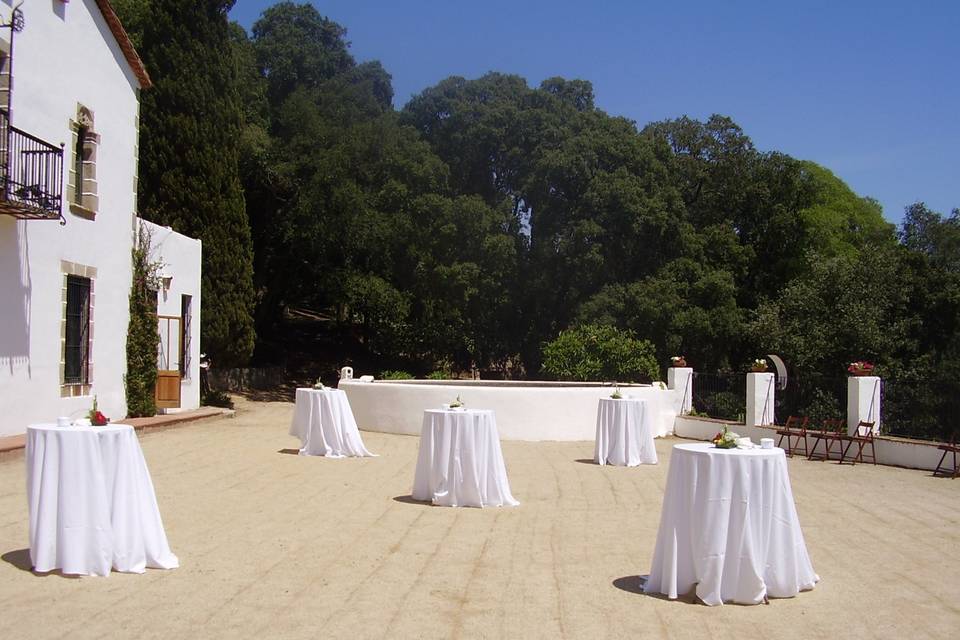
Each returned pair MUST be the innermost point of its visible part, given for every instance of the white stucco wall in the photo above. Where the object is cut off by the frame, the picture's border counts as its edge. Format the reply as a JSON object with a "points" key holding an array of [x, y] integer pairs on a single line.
{"points": [[180, 256], [66, 55], [524, 411]]}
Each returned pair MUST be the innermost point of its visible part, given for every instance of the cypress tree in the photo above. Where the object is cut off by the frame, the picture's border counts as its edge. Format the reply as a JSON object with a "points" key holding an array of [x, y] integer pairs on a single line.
{"points": [[190, 126]]}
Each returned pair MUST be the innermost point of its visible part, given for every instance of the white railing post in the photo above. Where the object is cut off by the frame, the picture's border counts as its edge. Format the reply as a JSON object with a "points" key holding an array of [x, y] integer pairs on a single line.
{"points": [[680, 379], [760, 397], [863, 402]]}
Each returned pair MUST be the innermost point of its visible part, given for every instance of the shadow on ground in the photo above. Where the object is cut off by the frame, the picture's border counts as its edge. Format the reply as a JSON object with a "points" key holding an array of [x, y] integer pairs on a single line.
{"points": [[19, 558], [283, 393]]}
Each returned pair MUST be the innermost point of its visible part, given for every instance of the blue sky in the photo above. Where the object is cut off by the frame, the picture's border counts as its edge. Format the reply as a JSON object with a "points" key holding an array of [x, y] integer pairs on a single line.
{"points": [[869, 89]]}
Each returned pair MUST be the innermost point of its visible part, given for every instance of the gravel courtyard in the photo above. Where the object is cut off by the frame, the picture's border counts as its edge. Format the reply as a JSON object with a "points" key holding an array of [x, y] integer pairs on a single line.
{"points": [[276, 545]]}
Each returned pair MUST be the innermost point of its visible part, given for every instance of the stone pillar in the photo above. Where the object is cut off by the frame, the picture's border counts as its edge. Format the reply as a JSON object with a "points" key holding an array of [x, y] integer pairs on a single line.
{"points": [[760, 390], [863, 402], [680, 379]]}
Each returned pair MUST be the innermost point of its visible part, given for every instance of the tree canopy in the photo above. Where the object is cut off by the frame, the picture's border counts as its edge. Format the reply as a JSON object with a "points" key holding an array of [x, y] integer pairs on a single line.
{"points": [[486, 217]]}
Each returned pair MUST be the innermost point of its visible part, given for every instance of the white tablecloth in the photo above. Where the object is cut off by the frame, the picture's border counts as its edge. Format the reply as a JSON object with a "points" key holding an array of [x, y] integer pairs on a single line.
{"points": [[624, 433], [460, 463], [91, 502], [729, 525], [323, 421]]}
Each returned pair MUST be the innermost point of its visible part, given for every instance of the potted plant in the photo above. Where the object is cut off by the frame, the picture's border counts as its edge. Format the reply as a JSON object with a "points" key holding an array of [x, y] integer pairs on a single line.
{"points": [[759, 365], [678, 361], [860, 368], [616, 395]]}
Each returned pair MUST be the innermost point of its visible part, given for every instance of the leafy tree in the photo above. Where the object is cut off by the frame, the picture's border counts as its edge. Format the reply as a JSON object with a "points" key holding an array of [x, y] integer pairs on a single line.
{"points": [[189, 140], [600, 352], [298, 48]]}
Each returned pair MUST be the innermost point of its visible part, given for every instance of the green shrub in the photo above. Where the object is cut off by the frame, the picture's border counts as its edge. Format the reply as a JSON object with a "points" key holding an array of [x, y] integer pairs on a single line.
{"points": [[396, 375], [215, 398], [600, 352], [438, 375]]}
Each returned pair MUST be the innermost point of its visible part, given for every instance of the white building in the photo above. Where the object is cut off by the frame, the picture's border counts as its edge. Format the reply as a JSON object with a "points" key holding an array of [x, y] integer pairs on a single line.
{"points": [[69, 108]]}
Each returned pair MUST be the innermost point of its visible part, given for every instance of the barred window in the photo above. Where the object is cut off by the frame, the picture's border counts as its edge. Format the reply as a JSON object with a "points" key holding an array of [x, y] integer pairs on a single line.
{"points": [[76, 368]]}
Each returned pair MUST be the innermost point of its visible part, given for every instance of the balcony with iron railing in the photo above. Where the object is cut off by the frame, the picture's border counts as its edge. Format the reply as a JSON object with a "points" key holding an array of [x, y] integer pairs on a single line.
{"points": [[31, 174]]}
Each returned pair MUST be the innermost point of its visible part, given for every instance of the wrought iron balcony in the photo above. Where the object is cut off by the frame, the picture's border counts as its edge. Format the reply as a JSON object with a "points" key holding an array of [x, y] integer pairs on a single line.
{"points": [[31, 175]]}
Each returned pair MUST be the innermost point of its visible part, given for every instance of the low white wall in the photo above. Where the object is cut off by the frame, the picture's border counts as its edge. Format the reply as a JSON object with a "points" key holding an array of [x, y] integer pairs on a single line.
{"points": [[524, 410], [896, 452]]}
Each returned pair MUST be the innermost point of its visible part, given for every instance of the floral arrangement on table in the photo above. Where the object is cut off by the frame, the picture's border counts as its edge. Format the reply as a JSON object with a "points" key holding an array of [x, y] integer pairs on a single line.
{"points": [[759, 365], [725, 439], [616, 395], [96, 417], [678, 361], [860, 368], [318, 385], [457, 404]]}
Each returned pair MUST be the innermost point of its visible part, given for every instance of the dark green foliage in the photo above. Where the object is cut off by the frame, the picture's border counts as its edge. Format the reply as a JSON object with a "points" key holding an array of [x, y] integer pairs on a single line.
{"points": [[395, 375], [298, 48], [190, 132], [216, 398], [600, 352], [142, 338]]}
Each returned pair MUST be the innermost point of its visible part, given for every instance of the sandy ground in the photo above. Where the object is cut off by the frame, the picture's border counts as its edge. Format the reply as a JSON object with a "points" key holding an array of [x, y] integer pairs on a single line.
{"points": [[277, 545]]}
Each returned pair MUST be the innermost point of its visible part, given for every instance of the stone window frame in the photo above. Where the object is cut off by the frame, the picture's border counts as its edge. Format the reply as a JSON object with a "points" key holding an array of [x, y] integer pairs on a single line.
{"points": [[82, 185], [75, 389]]}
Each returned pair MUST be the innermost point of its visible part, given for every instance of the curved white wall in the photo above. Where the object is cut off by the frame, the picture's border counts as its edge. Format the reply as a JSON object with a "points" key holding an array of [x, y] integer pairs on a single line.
{"points": [[524, 410]]}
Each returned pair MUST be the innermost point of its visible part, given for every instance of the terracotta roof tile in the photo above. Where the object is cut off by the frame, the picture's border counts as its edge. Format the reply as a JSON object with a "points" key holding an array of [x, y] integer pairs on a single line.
{"points": [[126, 46]]}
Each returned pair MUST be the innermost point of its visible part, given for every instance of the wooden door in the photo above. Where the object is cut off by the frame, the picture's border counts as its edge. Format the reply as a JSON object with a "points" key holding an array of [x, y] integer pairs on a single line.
{"points": [[168, 362]]}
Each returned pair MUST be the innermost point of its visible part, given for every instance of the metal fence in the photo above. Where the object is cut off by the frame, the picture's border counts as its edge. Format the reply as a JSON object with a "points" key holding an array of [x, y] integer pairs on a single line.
{"points": [[925, 410], [922, 410], [813, 396], [720, 395]]}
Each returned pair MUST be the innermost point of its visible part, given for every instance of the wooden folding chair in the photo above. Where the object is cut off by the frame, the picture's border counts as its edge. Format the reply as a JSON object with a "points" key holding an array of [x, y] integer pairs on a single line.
{"points": [[862, 436], [796, 427], [832, 431], [949, 447]]}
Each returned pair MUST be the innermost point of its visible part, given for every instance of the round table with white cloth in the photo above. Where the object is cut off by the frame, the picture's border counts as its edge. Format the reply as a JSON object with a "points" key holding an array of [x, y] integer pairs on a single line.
{"points": [[325, 425], [730, 526], [460, 463], [624, 433], [91, 502]]}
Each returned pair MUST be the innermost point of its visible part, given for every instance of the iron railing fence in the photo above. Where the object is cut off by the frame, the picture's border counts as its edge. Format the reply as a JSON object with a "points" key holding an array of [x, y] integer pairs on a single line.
{"points": [[720, 395], [924, 410], [31, 172], [814, 396]]}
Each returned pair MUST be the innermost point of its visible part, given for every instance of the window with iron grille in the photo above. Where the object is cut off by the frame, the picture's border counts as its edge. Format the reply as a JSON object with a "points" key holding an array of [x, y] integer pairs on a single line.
{"points": [[186, 315], [78, 153], [76, 368]]}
